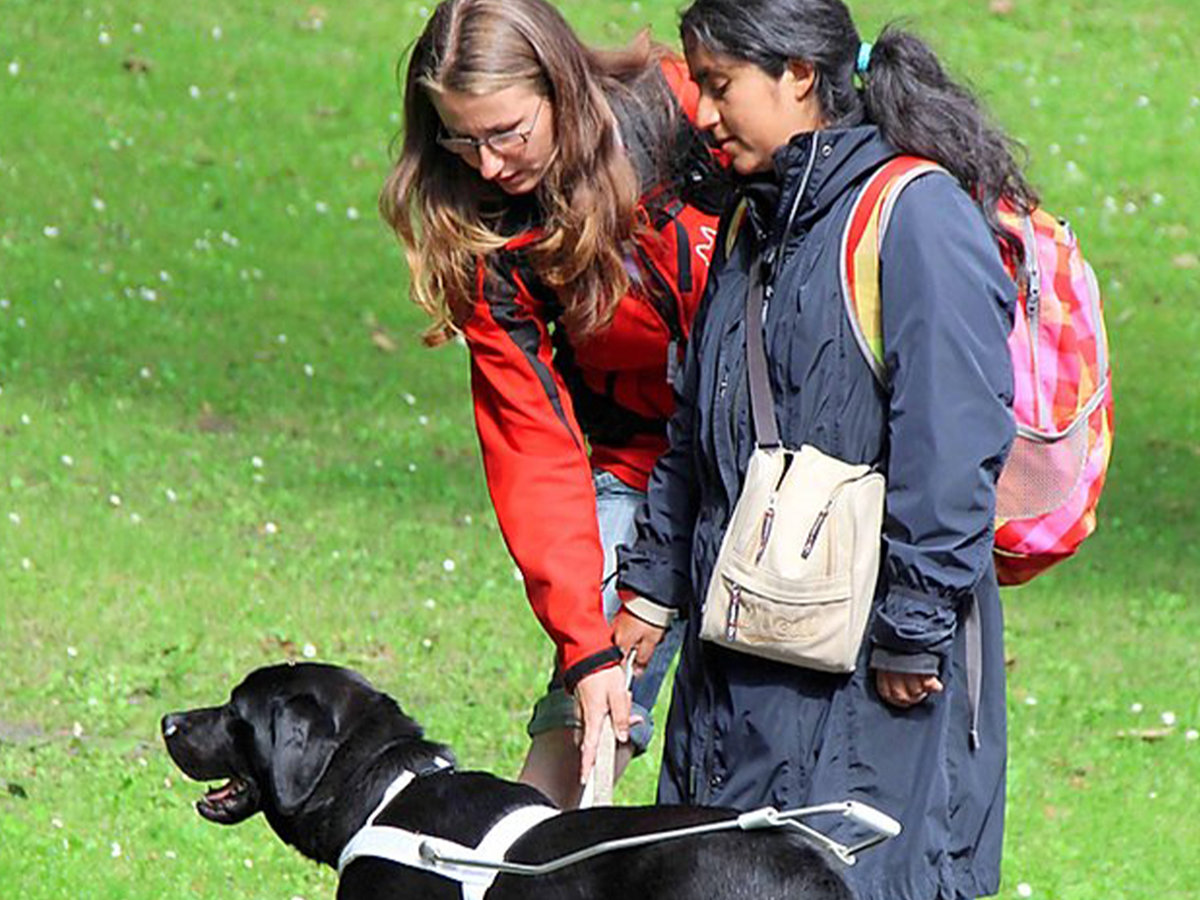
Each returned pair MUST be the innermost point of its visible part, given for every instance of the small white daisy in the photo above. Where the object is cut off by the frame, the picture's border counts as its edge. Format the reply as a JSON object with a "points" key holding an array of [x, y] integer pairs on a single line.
{"points": [[1031, 701], [72, 652], [114, 499], [1168, 718], [1024, 890], [1136, 707], [309, 370], [171, 495], [427, 644], [98, 205], [1192, 735], [410, 399], [321, 206], [248, 863], [271, 528], [217, 33], [309, 651], [256, 461], [194, 92], [353, 214], [145, 372], [15, 518], [115, 851], [105, 38], [138, 28], [449, 565], [14, 68], [67, 460], [430, 603], [50, 231]]}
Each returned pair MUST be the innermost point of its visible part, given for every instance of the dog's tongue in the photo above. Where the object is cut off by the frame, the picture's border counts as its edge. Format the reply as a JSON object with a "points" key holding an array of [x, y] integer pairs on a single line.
{"points": [[224, 792]]}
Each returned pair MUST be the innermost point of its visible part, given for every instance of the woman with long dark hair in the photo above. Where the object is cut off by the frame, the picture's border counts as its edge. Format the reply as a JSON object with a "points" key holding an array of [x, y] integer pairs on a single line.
{"points": [[548, 198], [809, 112]]}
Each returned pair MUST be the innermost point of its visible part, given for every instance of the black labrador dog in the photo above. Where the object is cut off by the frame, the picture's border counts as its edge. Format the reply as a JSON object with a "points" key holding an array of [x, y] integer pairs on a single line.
{"points": [[314, 747]]}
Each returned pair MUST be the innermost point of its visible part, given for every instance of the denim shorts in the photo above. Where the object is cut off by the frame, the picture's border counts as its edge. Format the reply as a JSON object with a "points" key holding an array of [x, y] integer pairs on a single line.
{"points": [[616, 505]]}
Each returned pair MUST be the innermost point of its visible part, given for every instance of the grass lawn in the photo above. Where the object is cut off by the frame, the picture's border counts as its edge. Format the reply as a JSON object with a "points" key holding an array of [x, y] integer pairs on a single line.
{"points": [[221, 444]]}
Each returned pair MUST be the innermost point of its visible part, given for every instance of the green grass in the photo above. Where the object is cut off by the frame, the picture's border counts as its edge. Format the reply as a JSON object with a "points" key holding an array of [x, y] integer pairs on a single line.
{"points": [[255, 195]]}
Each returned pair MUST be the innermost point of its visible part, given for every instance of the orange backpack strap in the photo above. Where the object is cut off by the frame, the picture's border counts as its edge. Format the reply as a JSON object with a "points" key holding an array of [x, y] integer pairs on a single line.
{"points": [[862, 241]]}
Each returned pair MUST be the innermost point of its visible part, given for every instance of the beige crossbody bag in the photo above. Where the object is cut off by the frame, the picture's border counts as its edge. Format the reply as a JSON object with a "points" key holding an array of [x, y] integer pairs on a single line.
{"points": [[795, 575]]}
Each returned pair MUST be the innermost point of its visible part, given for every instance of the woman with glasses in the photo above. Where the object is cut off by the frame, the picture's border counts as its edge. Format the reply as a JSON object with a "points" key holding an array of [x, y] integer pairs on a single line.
{"points": [[555, 205]]}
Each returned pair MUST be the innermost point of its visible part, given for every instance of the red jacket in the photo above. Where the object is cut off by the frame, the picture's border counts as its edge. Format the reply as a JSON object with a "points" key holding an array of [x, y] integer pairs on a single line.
{"points": [[542, 403]]}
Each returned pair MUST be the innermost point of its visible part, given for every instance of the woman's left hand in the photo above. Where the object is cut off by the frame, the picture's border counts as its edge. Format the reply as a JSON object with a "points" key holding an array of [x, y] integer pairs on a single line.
{"points": [[905, 689]]}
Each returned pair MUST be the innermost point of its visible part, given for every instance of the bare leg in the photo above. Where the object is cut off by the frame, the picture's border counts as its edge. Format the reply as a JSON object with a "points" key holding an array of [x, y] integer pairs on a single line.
{"points": [[552, 766]]}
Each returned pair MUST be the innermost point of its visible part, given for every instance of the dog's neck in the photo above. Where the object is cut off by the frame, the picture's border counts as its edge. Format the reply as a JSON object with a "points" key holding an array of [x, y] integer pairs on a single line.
{"points": [[330, 819]]}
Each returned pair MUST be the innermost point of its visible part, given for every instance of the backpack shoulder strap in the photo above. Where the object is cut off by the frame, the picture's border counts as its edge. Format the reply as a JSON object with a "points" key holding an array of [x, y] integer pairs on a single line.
{"points": [[859, 257]]}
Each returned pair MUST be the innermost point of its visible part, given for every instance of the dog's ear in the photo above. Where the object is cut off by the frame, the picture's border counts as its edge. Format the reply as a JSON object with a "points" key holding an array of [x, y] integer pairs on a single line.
{"points": [[303, 743]]}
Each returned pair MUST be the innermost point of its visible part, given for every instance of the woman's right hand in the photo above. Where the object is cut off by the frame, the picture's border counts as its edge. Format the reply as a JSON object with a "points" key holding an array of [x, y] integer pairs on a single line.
{"points": [[636, 636]]}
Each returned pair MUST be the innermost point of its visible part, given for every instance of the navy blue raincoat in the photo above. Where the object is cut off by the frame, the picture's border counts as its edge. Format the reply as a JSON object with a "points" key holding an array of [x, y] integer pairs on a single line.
{"points": [[746, 732]]}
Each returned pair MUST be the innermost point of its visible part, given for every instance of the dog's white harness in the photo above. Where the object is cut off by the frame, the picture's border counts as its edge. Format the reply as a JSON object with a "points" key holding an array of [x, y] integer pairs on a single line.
{"points": [[423, 851], [476, 868]]}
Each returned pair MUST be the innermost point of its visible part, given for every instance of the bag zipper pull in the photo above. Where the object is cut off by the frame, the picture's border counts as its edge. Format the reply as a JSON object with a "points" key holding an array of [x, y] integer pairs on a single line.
{"points": [[816, 530], [731, 618], [765, 533]]}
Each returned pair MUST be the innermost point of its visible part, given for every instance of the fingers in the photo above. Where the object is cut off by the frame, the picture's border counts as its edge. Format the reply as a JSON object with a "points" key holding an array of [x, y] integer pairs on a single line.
{"points": [[601, 694], [905, 689]]}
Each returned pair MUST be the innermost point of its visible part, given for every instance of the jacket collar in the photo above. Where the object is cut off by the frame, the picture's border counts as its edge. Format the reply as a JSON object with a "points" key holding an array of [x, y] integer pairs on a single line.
{"points": [[843, 157]]}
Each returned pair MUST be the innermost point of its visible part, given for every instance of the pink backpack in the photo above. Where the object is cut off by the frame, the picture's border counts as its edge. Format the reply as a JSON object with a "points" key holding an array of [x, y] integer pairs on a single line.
{"points": [[1048, 490]]}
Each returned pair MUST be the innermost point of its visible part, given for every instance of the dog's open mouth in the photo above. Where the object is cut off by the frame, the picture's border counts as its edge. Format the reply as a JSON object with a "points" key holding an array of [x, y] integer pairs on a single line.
{"points": [[230, 803]]}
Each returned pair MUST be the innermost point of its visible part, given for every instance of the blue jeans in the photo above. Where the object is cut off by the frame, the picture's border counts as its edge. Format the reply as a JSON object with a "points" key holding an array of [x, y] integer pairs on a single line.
{"points": [[616, 505]]}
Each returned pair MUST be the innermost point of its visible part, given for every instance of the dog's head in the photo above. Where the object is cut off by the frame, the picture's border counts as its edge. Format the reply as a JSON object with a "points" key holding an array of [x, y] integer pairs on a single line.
{"points": [[276, 738]]}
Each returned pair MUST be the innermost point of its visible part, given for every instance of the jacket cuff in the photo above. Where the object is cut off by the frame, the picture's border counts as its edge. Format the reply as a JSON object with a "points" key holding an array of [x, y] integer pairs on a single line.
{"points": [[907, 622], [650, 612], [606, 658], [652, 577], [908, 663]]}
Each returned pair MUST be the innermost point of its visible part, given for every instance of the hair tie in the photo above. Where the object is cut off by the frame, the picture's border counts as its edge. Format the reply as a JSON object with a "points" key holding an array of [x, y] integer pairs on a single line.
{"points": [[864, 57]]}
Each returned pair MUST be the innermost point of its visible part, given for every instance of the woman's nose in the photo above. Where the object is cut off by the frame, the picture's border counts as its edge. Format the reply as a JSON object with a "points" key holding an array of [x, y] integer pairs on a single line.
{"points": [[490, 162], [707, 116]]}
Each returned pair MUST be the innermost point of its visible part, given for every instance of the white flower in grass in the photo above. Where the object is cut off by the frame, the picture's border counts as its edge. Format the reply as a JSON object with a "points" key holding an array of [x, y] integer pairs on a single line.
{"points": [[1024, 890], [171, 854], [145, 372], [67, 460], [56, 822], [164, 276], [77, 730], [248, 863], [309, 651], [321, 206], [231, 96], [1131, 208], [430, 603], [15, 518], [1153, 795], [423, 420], [171, 495], [256, 461], [105, 38], [217, 32], [98, 205], [412, 467], [1194, 102], [281, 338], [229, 239], [1192, 735], [14, 68], [1157, 199], [150, 295], [468, 519], [25, 420], [72, 652], [309, 370], [194, 92], [135, 518], [115, 851], [114, 500], [449, 565], [1110, 203], [353, 214], [5, 303], [20, 321], [1136, 707], [138, 28], [1143, 101], [50, 231], [427, 643], [1168, 718], [26, 563], [270, 528], [410, 399], [1031, 701]]}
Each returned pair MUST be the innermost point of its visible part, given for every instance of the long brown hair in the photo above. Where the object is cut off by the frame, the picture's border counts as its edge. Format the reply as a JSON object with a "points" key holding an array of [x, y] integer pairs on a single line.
{"points": [[447, 217]]}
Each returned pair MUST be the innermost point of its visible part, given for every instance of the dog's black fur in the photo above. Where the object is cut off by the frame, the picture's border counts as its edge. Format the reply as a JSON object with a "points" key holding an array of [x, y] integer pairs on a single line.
{"points": [[313, 747]]}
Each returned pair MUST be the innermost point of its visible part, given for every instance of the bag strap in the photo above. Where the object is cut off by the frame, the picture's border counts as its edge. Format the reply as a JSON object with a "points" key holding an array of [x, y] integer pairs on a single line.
{"points": [[862, 241], [761, 403]]}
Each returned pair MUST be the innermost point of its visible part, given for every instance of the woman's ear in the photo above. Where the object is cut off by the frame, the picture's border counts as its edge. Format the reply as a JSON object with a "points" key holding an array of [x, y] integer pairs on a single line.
{"points": [[800, 78]]}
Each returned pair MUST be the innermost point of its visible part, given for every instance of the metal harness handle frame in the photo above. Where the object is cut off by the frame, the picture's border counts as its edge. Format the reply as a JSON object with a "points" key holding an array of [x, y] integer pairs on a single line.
{"points": [[882, 824]]}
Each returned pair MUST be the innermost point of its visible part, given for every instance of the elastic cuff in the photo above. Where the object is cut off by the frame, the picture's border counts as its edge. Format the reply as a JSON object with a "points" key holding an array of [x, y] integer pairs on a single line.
{"points": [[650, 612], [908, 663], [594, 663]]}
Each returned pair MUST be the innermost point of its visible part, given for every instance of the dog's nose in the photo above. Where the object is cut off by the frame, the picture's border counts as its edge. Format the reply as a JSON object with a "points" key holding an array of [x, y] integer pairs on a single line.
{"points": [[171, 724]]}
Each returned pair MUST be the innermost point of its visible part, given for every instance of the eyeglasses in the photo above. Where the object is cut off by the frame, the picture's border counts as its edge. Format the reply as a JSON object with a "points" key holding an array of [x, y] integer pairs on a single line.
{"points": [[503, 143]]}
